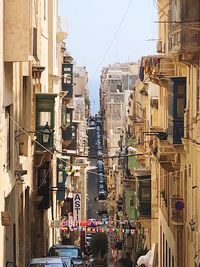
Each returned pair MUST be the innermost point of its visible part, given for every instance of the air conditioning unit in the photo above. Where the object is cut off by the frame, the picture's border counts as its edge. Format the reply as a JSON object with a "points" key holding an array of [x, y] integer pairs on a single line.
{"points": [[159, 47]]}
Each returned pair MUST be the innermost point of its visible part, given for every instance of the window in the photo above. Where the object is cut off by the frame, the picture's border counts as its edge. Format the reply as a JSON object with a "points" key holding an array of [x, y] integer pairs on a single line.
{"points": [[172, 261], [35, 44], [25, 91], [60, 177], [45, 9], [67, 78], [179, 94], [132, 201], [180, 101], [8, 137], [198, 88], [44, 117], [191, 9], [146, 193], [163, 245], [43, 180]]}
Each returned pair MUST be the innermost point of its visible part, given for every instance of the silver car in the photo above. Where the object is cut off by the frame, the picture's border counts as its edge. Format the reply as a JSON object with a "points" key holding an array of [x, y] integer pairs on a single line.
{"points": [[47, 262]]}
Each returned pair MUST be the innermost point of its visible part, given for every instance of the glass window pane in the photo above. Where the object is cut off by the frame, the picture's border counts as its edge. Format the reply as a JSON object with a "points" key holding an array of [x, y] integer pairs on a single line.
{"points": [[44, 117], [180, 107], [180, 90], [46, 265], [146, 193]]}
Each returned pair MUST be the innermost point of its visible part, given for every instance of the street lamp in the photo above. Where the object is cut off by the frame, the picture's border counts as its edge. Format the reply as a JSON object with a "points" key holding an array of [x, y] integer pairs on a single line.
{"points": [[46, 134]]}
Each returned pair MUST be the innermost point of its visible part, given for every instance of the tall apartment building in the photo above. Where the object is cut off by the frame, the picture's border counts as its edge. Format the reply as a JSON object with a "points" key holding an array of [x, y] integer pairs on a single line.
{"points": [[173, 139], [37, 132], [117, 82], [27, 105]]}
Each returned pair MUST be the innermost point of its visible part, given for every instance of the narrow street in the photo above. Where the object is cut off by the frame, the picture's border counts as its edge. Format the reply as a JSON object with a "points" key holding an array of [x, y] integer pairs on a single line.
{"points": [[92, 181], [99, 133]]}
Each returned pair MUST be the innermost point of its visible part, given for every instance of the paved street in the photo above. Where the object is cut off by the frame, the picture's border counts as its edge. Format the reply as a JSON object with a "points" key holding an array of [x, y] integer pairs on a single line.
{"points": [[92, 184]]}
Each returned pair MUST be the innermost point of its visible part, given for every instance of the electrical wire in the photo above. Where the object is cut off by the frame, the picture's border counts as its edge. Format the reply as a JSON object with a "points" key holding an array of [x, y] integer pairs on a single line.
{"points": [[49, 151], [74, 155], [140, 154], [113, 39]]}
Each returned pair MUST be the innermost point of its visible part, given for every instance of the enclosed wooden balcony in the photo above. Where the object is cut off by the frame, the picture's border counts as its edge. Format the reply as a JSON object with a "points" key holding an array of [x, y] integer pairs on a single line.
{"points": [[158, 68], [184, 25]]}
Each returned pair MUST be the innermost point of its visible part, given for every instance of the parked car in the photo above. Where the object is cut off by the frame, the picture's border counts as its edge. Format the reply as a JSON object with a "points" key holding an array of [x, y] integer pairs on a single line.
{"points": [[98, 128], [47, 261], [102, 186], [99, 153], [98, 122], [105, 218], [102, 195], [102, 183], [88, 238], [101, 178], [99, 140], [69, 262], [102, 191], [99, 146], [67, 251], [92, 124], [100, 166], [98, 135]]}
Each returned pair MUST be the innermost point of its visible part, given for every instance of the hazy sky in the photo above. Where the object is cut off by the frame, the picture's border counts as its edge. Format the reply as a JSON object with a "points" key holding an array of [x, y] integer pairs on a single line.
{"points": [[103, 32]]}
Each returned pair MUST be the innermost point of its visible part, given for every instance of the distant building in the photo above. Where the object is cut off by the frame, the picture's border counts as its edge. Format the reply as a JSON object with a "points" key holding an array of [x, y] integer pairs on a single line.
{"points": [[117, 82]]}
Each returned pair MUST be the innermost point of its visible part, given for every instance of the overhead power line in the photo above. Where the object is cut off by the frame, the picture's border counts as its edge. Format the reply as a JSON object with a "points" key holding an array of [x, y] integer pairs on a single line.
{"points": [[113, 39]]}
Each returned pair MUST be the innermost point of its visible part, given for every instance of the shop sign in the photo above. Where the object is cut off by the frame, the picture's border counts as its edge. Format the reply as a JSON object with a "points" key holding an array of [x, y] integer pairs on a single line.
{"points": [[77, 206]]}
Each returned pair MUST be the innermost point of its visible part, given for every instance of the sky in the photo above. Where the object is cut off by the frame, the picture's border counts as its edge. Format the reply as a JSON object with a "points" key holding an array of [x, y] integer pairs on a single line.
{"points": [[102, 32]]}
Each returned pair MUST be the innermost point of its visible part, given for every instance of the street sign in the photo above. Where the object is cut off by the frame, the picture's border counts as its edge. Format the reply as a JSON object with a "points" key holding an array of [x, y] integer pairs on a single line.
{"points": [[77, 206], [179, 205]]}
